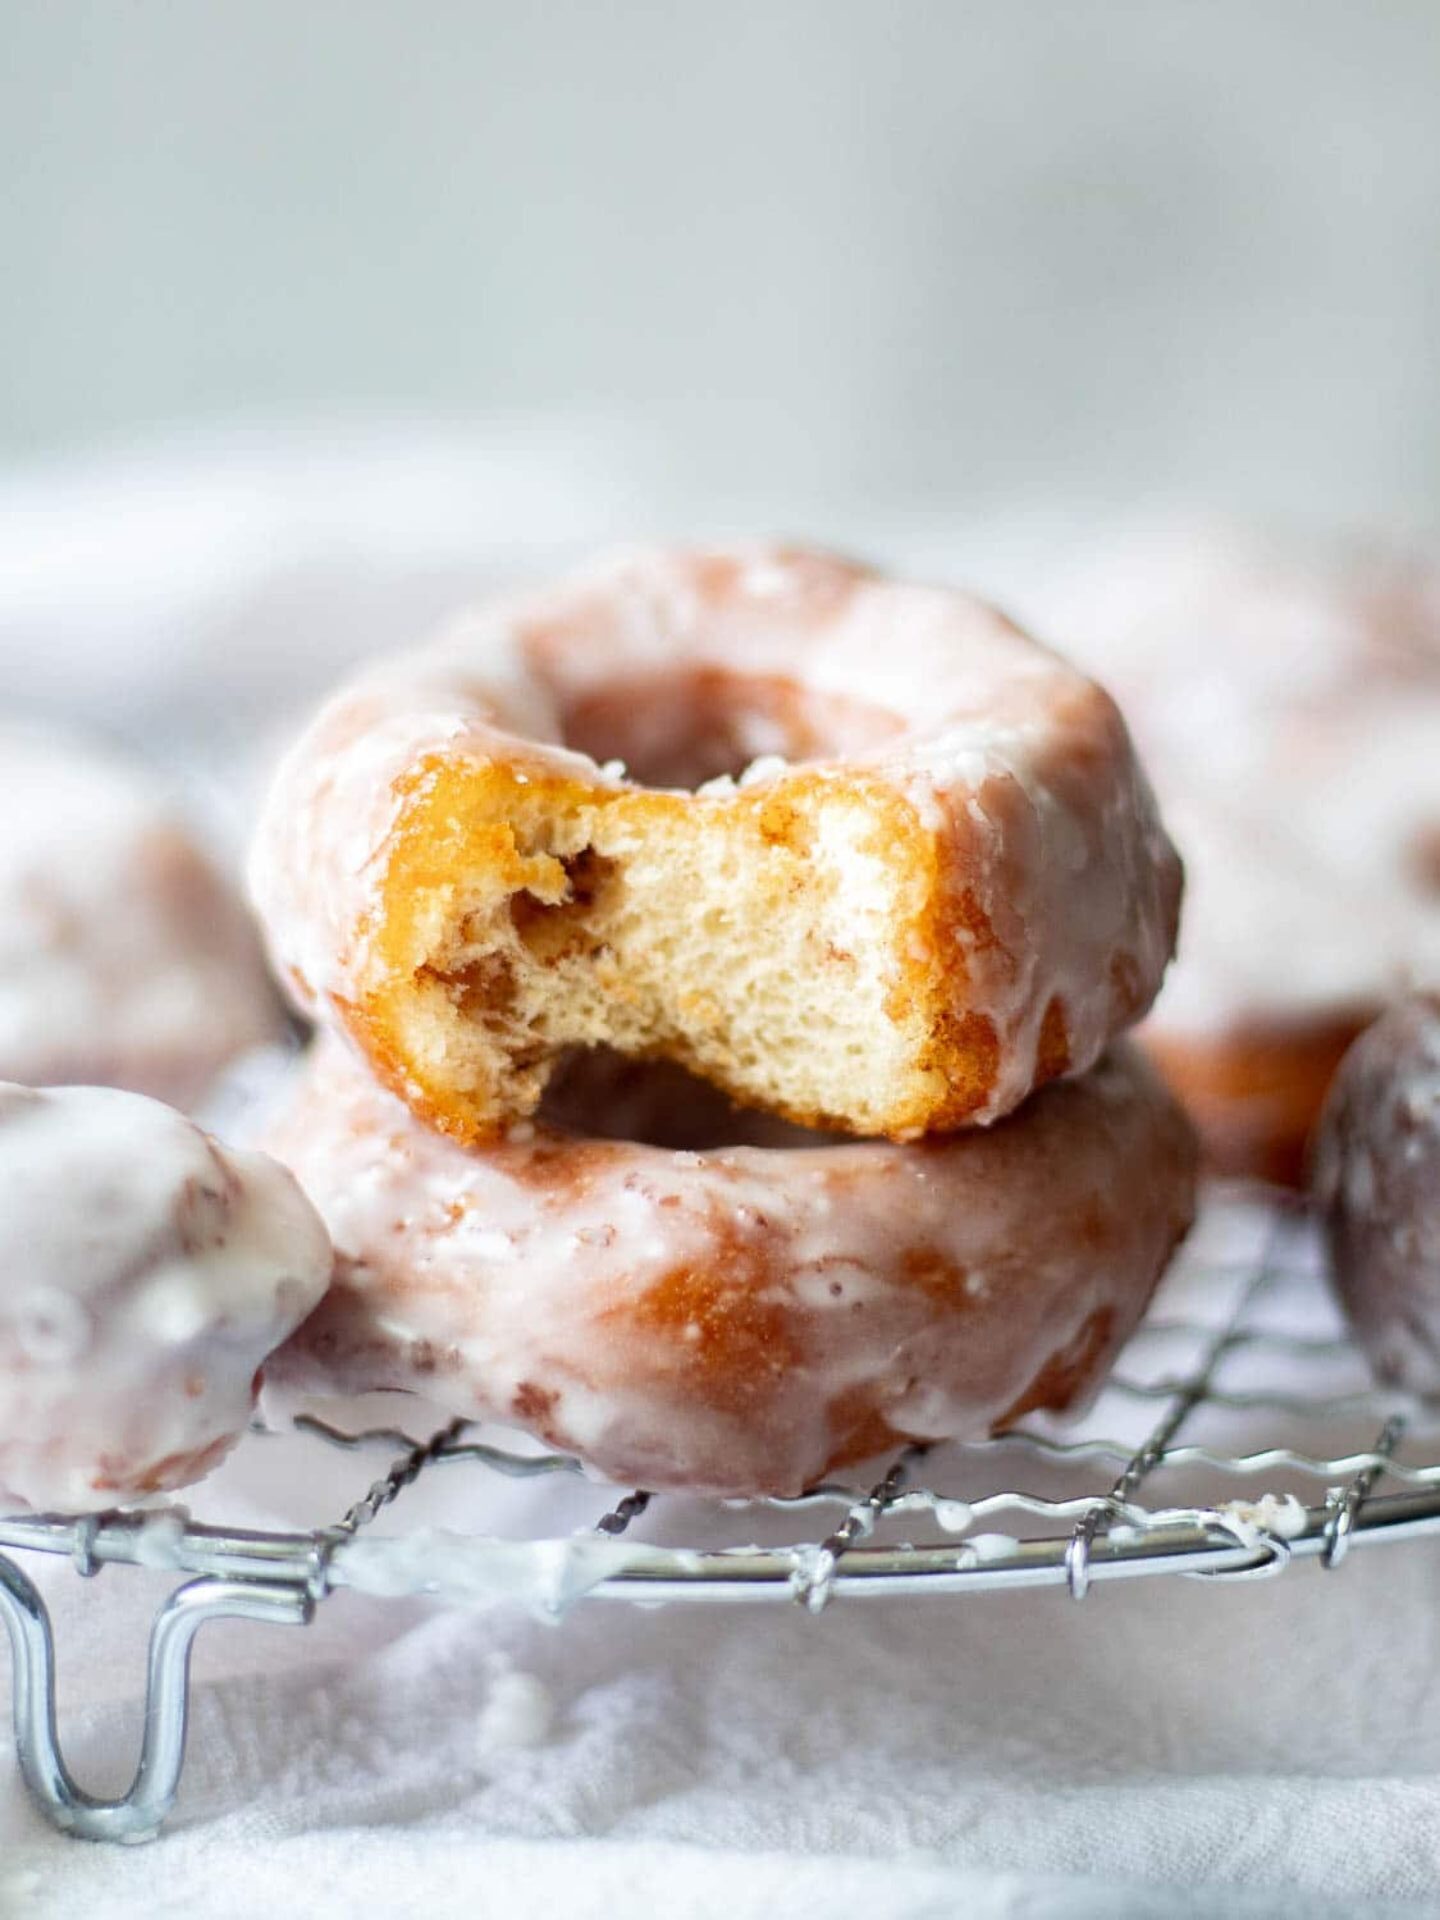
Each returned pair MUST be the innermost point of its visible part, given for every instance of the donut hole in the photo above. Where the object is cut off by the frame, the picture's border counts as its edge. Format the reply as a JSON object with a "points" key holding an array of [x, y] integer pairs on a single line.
{"points": [[682, 729], [598, 1094]]}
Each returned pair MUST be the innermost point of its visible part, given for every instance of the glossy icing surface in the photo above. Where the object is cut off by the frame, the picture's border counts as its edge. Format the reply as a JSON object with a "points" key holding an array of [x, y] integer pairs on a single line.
{"points": [[146, 1273], [737, 1318]]}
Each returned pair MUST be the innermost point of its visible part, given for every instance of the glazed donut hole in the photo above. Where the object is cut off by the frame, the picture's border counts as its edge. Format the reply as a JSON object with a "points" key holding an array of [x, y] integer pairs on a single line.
{"points": [[150, 1274], [686, 727]]}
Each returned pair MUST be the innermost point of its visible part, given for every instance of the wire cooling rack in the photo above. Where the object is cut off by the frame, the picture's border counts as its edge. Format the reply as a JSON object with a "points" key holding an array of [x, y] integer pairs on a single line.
{"points": [[1240, 1432]]}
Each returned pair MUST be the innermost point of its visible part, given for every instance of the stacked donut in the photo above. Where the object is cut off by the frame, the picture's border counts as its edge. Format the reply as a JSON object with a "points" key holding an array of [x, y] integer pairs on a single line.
{"points": [[693, 942]]}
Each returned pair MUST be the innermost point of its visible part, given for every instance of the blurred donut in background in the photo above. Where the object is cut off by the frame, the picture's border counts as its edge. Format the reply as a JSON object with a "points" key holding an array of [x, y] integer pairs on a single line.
{"points": [[126, 957], [1377, 1184], [1286, 699]]}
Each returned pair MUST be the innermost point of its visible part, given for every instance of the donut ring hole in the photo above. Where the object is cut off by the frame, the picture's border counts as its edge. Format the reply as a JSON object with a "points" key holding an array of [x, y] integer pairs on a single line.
{"points": [[686, 727], [597, 1094]]}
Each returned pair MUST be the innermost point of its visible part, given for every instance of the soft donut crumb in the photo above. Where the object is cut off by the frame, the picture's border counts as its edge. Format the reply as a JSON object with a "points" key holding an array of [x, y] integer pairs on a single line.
{"points": [[774, 939]]}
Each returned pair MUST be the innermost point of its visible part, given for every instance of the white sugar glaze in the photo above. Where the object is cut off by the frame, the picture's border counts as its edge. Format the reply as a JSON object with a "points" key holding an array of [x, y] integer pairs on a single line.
{"points": [[545, 1577], [145, 1275]]}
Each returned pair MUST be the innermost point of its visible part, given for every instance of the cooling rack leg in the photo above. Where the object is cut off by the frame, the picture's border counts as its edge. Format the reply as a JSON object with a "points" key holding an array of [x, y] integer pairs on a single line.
{"points": [[137, 1815]]}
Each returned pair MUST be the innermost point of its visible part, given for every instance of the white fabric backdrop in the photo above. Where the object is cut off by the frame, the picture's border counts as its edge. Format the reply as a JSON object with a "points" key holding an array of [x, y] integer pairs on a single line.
{"points": [[1166, 1748], [1195, 1745]]}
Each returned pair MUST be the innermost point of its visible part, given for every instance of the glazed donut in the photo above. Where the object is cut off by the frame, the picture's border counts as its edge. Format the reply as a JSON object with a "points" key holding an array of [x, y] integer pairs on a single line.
{"points": [[735, 1319], [125, 958], [940, 881], [1289, 706], [1377, 1182], [148, 1274]]}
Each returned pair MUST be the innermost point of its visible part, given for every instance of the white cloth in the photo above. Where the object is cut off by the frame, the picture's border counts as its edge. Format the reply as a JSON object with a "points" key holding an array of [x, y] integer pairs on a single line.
{"points": [[1187, 1744], [1168, 1747]]}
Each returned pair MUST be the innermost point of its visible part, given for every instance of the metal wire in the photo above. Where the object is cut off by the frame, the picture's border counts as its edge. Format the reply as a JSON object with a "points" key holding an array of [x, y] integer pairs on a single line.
{"points": [[1184, 1397], [1269, 1430]]}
